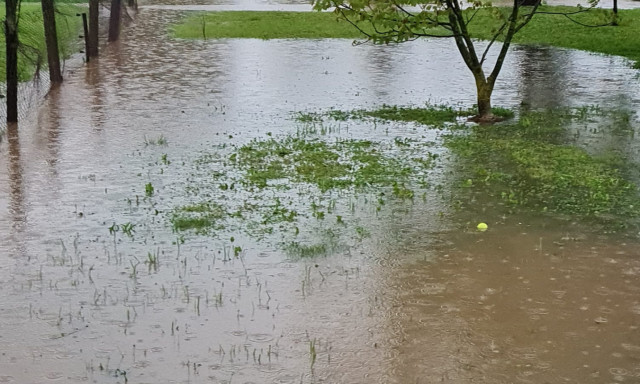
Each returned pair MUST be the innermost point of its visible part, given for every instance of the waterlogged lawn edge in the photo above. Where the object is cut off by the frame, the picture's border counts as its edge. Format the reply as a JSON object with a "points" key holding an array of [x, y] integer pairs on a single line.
{"points": [[553, 30]]}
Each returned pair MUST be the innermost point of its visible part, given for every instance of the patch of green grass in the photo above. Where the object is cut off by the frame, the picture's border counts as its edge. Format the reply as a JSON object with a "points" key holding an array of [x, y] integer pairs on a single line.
{"points": [[31, 36], [284, 184], [362, 232], [434, 115], [199, 224], [498, 111], [333, 114], [160, 141], [278, 213], [201, 217], [295, 249], [338, 115], [526, 164], [343, 164], [264, 25], [308, 117], [148, 189]]}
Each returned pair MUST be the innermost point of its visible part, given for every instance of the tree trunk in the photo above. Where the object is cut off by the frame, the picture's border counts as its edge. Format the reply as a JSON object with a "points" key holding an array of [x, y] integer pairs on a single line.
{"points": [[11, 38], [484, 90], [114, 20], [51, 38], [94, 18]]}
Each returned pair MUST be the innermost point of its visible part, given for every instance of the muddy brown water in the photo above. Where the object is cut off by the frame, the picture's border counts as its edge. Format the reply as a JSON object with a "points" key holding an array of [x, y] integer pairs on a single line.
{"points": [[424, 299]]}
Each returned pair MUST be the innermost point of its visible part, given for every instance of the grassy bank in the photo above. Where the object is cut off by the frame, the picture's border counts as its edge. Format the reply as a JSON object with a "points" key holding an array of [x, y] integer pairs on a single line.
{"points": [[57, 2], [545, 29], [557, 30], [31, 35], [264, 25]]}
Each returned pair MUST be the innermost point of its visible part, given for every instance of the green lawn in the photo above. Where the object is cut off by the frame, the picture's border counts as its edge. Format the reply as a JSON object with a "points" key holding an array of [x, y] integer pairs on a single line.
{"points": [[264, 25], [31, 35], [557, 30], [544, 29], [56, 1]]}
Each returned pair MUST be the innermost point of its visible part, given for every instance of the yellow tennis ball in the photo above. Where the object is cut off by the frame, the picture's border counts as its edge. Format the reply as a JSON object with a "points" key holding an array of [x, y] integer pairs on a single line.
{"points": [[482, 227]]}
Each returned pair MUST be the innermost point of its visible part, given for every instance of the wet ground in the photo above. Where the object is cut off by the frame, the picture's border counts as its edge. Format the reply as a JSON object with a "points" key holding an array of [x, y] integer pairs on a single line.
{"points": [[418, 297]]}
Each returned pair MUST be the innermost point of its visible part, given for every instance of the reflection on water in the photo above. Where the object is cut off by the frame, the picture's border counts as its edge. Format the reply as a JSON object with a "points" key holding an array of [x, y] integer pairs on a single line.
{"points": [[421, 300], [16, 200], [543, 63], [518, 305]]}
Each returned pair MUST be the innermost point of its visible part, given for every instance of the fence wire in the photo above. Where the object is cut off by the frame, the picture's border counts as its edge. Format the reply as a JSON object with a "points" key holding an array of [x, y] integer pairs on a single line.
{"points": [[32, 60]]}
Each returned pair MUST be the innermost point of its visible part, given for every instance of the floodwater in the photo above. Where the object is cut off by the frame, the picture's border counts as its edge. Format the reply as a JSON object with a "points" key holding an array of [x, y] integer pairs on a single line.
{"points": [[423, 299]]}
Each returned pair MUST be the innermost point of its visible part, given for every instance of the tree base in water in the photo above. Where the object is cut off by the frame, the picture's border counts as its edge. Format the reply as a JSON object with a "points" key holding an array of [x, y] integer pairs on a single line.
{"points": [[486, 119]]}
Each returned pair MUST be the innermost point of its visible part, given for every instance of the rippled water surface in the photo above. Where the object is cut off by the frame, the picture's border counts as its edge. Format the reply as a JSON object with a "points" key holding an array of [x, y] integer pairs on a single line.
{"points": [[423, 299]]}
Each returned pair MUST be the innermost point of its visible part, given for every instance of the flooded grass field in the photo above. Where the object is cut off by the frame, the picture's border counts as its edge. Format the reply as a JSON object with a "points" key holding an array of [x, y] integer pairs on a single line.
{"points": [[204, 212]]}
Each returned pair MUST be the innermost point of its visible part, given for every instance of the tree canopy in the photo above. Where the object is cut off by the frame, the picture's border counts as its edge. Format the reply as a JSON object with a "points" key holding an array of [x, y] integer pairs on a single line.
{"points": [[398, 21]]}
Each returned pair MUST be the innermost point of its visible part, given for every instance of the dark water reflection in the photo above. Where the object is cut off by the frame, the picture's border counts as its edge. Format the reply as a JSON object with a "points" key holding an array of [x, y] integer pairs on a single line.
{"points": [[422, 300]]}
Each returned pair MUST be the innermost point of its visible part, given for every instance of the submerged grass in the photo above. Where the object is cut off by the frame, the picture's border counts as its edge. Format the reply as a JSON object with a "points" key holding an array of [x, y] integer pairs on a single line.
{"points": [[295, 249], [343, 164], [200, 217], [292, 188], [546, 29], [547, 176], [31, 35], [527, 162], [299, 187], [432, 115]]}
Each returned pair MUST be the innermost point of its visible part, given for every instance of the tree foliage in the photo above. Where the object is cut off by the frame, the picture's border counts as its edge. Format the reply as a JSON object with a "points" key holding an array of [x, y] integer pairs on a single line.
{"points": [[398, 21]]}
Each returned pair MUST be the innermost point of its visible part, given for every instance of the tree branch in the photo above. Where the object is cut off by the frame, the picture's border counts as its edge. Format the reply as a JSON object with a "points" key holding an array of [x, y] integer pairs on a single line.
{"points": [[459, 17], [528, 17], [565, 13], [403, 10], [458, 38], [493, 40], [354, 24], [421, 34], [588, 25], [513, 20], [470, 19], [535, 11]]}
